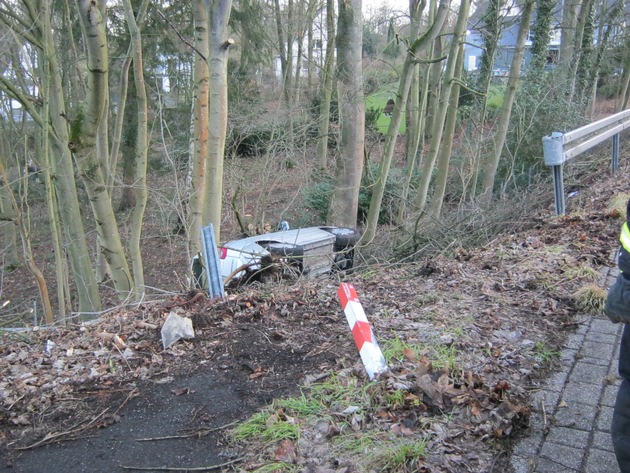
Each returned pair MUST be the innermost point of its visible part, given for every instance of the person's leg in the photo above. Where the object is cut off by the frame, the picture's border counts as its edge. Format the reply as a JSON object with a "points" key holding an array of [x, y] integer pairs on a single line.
{"points": [[620, 428]]}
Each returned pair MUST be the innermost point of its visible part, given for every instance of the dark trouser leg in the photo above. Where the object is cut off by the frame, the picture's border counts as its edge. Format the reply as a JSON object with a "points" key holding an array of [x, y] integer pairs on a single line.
{"points": [[620, 429]]}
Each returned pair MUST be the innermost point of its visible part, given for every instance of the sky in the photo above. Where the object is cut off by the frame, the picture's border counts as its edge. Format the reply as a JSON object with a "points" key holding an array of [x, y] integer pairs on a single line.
{"points": [[393, 4]]}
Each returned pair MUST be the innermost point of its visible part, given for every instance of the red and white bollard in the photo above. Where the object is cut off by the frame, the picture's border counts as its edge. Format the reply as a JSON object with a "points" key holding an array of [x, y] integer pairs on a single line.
{"points": [[371, 354]]}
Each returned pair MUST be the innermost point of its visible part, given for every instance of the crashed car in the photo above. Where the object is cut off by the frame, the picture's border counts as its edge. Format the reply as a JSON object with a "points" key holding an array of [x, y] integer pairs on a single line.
{"points": [[310, 252]]}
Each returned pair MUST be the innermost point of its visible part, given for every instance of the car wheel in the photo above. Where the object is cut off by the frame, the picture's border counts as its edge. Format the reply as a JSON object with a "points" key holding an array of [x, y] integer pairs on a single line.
{"points": [[345, 237]]}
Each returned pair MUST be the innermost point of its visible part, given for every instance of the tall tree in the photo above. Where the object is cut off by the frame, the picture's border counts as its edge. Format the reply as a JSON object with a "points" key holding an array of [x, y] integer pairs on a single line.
{"points": [[344, 204], [578, 45], [392, 49], [326, 85], [199, 128], [83, 132], [437, 127], [285, 47], [492, 164], [419, 44], [608, 20], [40, 34], [570, 9], [416, 108], [23, 226], [491, 32], [218, 16], [444, 158], [142, 144], [541, 36], [10, 259]]}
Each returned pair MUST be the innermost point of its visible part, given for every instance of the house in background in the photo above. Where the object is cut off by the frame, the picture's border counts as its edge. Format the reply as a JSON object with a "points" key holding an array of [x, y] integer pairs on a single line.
{"points": [[510, 19]]}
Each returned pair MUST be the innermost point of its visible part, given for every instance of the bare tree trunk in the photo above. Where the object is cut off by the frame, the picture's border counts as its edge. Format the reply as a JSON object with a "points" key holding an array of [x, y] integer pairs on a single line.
{"points": [[23, 230], [83, 144], [492, 33], [503, 123], [418, 45], [625, 82], [435, 207], [299, 39], [344, 204], [61, 263], [313, 6], [77, 87], [570, 10], [122, 103], [102, 146], [40, 34], [10, 259], [578, 56], [199, 135], [413, 116], [416, 125], [140, 172], [326, 86], [120, 119], [285, 48], [440, 113], [435, 83], [218, 16], [604, 31], [63, 170]]}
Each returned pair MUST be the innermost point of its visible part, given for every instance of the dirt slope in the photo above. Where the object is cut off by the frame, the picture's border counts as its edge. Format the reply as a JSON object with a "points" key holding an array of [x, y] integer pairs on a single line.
{"points": [[468, 338]]}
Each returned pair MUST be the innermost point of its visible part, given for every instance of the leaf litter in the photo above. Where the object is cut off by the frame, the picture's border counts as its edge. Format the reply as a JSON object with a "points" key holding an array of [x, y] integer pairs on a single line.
{"points": [[469, 339]]}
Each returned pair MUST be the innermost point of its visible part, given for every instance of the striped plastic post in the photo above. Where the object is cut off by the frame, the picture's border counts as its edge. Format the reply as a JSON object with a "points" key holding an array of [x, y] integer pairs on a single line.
{"points": [[371, 354]]}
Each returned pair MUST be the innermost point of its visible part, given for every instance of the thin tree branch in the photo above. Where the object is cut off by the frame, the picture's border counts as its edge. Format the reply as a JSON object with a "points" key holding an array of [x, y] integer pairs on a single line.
{"points": [[187, 43]]}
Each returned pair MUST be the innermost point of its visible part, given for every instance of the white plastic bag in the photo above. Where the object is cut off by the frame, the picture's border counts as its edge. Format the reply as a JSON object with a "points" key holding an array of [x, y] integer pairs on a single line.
{"points": [[176, 328]]}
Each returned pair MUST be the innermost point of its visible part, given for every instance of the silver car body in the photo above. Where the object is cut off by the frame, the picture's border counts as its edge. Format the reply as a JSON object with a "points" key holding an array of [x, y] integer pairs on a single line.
{"points": [[316, 247]]}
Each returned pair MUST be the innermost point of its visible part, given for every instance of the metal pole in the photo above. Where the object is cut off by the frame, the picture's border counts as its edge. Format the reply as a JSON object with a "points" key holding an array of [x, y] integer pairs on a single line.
{"points": [[615, 153], [211, 258], [558, 188]]}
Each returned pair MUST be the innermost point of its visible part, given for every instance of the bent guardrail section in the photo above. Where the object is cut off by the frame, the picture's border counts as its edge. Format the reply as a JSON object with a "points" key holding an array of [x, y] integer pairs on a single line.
{"points": [[559, 148], [211, 258]]}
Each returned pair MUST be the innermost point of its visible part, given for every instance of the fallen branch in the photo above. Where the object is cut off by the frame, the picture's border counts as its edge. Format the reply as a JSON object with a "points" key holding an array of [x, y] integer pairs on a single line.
{"points": [[166, 468], [242, 267], [143, 324], [196, 433], [134, 392], [112, 337], [50, 437]]}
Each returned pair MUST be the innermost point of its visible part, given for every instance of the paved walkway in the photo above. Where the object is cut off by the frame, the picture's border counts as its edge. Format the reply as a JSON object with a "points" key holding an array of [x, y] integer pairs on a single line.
{"points": [[570, 422]]}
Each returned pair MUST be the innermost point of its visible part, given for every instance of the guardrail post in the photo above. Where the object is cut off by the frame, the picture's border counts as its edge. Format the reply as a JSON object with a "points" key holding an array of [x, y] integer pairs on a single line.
{"points": [[558, 188], [211, 258], [615, 153], [554, 157]]}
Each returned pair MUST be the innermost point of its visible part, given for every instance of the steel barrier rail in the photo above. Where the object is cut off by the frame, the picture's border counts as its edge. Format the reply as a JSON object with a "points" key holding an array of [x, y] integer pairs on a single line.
{"points": [[211, 258], [558, 148]]}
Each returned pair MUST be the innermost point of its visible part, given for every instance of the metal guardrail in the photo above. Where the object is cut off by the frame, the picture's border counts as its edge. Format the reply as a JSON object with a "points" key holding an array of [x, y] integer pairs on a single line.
{"points": [[558, 148]]}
